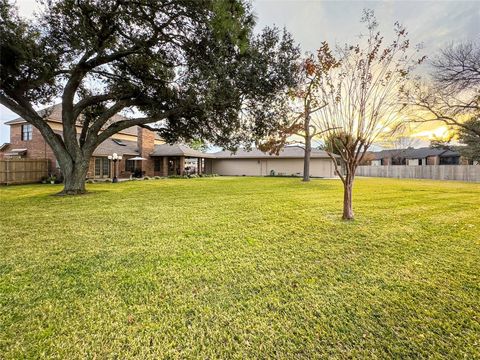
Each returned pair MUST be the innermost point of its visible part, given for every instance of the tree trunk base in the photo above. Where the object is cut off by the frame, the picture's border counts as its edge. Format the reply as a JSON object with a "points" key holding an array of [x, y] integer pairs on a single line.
{"points": [[71, 192]]}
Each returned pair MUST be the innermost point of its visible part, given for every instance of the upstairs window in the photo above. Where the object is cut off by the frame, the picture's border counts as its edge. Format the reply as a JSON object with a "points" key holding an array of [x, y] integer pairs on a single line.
{"points": [[27, 132]]}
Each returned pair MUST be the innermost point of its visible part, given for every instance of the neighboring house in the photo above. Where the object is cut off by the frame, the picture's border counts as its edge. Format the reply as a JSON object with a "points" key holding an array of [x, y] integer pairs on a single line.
{"points": [[257, 163], [160, 159], [410, 156]]}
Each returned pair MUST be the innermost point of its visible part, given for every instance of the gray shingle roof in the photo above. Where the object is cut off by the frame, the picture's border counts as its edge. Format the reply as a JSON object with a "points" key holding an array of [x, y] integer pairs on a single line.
{"points": [[420, 153], [55, 115], [293, 152], [110, 146], [178, 150]]}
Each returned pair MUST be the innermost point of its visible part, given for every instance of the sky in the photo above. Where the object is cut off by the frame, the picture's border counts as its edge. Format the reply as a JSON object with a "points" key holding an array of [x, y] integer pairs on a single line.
{"points": [[431, 23]]}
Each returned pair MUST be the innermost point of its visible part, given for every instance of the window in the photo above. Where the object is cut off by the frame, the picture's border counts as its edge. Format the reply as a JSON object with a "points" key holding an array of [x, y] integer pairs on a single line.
{"points": [[450, 160], [27, 132], [130, 165], [102, 167], [106, 167], [157, 165]]}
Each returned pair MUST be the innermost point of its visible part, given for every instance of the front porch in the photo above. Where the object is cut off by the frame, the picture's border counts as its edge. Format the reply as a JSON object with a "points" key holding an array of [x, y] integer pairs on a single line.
{"points": [[165, 160], [180, 165], [180, 160]]}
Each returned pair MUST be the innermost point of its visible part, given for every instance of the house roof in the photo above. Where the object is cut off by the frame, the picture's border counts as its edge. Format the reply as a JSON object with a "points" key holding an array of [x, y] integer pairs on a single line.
{"points": [[54, 114], [410, 153], [291, 152], [450, 153], [16, 152], [178, 150], [121, 147]]}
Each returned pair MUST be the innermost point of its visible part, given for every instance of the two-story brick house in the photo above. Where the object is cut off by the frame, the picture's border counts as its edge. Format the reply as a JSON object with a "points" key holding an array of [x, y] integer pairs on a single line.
{"points": [[159, 159]]}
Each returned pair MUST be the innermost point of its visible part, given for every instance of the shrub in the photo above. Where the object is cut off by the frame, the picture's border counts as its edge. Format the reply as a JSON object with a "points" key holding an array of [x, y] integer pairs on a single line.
{"points": [[108, 180], [90, 181], [146, 178], [157, 177]]}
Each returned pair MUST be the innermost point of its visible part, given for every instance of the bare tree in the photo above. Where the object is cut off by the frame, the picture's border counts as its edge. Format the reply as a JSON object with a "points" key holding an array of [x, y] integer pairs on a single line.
{"points": [[300, 121], [362, 96], [453, 95]]}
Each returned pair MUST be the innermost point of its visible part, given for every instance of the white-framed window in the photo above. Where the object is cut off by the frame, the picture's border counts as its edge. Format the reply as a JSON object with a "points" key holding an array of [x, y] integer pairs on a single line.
{"points": [[27, 132]]}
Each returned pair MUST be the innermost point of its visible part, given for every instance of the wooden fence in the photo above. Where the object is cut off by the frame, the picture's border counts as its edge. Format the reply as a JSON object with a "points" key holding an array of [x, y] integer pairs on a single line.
{"points": [[435, 172], [22, 171]]}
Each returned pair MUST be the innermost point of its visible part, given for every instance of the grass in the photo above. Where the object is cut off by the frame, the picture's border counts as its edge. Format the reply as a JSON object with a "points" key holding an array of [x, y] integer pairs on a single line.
{"points": [[241, 268]]}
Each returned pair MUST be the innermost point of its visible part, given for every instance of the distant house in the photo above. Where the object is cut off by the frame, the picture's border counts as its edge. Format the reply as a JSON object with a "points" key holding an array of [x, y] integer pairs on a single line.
{"points": [[420, 156], [257, 163]]}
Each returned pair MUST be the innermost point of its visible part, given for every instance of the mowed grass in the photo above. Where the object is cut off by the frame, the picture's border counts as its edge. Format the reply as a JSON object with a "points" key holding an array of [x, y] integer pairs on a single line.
{"points": [[241, 268]]}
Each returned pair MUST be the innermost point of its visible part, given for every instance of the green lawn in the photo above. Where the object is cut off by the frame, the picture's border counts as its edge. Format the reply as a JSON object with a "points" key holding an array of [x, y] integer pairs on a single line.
{"points": [[243, 268]]}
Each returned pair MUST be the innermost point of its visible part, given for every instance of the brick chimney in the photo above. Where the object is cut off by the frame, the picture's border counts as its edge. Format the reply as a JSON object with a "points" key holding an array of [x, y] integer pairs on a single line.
{"points": [[146, 144]]}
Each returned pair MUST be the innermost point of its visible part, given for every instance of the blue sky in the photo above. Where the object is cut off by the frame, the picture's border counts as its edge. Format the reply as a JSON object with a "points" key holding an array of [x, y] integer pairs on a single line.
{"points": [[433, 23]]}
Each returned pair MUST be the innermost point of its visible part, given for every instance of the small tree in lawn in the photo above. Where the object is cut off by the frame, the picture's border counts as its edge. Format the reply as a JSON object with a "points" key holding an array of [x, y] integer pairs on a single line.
{"points": [[193, 68], [361, 97]]}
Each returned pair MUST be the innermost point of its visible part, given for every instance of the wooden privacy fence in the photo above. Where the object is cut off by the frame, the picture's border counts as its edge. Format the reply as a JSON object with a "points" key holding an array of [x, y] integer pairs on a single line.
{"points": [[22, 171], [435, 172]]}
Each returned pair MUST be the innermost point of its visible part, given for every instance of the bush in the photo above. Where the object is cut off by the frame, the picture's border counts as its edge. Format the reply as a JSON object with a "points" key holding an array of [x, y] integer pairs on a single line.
{"points": [[146, 178], [90, 181], [157, 177]]}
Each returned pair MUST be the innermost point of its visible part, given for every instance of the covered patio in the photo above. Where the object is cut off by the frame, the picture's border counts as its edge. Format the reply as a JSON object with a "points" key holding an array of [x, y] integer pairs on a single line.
{"points": [[180, 160]]}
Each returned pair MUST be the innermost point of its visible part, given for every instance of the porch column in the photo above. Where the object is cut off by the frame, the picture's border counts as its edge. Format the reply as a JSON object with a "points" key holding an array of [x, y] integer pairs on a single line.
{"points": [[199, 166], [164, 166], [181, 165]]}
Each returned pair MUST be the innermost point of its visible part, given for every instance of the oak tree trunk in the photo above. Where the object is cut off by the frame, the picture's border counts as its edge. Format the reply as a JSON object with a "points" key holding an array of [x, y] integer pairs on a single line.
{"points": [[74, 174]]}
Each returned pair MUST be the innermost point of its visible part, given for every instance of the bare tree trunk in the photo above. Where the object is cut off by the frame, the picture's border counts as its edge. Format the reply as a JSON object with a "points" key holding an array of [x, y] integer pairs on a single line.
{"points": [[347, 195], [306, 158], [74, 174], [308, 144]]}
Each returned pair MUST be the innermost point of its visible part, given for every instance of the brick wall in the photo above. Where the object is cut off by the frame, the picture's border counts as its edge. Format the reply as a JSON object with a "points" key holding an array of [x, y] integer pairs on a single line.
{"points": [[37, 148], [146, 144]]}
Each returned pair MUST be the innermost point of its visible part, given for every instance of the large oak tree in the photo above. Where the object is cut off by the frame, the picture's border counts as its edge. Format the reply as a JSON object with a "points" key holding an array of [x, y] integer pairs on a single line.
{"points": [[193, 69]]}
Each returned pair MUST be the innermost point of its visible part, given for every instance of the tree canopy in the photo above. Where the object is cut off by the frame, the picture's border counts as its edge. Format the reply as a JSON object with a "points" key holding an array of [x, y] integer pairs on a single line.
{"points": [[193, 69]]}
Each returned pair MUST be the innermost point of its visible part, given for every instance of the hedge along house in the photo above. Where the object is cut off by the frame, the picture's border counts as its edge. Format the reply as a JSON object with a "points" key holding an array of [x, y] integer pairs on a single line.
{"points": [[289, 162], [26, 142]]}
